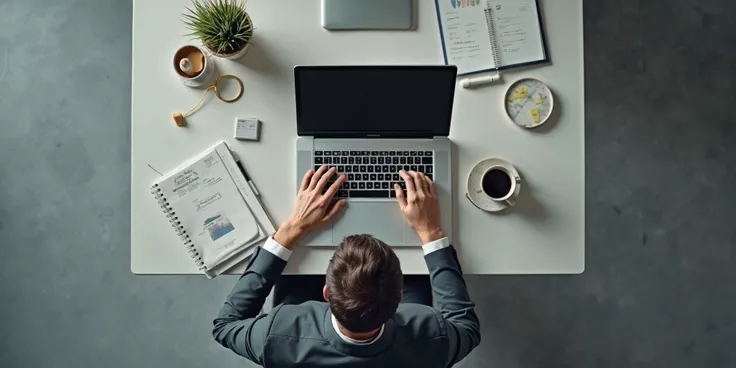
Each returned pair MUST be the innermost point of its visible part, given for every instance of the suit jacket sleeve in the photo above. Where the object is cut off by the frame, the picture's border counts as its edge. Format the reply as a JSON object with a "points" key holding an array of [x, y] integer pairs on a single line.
{"points": [[238, 326], [453, 302]]}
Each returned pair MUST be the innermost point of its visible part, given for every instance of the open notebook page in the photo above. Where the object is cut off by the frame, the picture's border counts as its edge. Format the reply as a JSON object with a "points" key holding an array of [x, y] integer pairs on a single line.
{"points": [[517, 31], [465, 35]]}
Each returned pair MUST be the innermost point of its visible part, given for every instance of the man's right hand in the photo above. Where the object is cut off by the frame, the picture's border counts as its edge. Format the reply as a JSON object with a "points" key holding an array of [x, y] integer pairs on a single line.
{"points": [[420, 206]]}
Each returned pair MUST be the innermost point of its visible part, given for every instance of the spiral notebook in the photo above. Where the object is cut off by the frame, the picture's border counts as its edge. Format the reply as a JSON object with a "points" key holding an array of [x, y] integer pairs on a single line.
{"points": [[479, 36], [214, 209]]}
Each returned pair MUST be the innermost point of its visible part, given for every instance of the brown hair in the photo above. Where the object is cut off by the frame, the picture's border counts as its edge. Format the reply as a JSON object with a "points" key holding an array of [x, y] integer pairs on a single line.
{"points": [[364, 283]]}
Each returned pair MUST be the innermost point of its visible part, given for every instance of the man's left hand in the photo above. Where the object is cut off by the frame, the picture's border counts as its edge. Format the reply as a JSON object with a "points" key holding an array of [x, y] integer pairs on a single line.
{"points": [[311, 208]]}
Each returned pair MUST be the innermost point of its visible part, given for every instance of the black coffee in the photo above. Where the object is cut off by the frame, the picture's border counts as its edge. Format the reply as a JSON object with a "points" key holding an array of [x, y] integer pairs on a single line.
{"points": [[496, 183]]}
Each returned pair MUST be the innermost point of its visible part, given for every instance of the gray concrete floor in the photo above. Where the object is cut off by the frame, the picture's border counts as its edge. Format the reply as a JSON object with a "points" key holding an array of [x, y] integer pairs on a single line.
{"points": [[661, 171]]}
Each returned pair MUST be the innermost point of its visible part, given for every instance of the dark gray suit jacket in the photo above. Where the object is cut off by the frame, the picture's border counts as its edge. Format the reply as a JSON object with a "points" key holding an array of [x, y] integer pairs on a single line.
{"points": [[303, 335]]}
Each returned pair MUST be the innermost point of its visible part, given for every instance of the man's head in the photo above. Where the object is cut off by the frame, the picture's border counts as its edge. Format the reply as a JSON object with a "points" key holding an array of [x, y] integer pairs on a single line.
{"points": [[364, 283]]}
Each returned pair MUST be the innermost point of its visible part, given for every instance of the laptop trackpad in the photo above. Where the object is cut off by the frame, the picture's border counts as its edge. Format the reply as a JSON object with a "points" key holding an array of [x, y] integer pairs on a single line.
{"points": [[382, 220]]}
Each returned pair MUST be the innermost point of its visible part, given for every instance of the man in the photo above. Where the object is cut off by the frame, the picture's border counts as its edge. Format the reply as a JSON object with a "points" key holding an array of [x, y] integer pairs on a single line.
{"points": [[364, 323]]}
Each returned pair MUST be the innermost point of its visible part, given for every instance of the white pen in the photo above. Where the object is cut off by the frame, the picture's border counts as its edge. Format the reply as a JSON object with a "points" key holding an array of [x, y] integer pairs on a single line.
{"points": [[479, 81]]}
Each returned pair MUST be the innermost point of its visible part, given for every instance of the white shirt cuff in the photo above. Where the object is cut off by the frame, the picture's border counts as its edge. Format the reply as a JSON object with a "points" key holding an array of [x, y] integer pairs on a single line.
{"points": [[435, 245], [273, 247]]}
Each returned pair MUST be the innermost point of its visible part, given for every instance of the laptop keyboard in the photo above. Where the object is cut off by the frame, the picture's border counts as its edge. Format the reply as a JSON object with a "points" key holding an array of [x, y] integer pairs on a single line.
{"points": [[372, 174]]}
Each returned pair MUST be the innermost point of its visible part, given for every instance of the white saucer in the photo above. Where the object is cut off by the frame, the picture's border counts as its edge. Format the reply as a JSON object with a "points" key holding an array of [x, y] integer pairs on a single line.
{"points": [[475, 193]]}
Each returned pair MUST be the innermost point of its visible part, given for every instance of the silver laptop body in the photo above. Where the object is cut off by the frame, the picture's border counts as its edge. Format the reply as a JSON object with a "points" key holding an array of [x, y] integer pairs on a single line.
{"points": [[367, 14], [376, 120]]}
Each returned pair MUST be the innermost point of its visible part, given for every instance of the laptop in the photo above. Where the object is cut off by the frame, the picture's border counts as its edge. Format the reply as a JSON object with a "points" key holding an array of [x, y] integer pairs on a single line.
{"points": [[370, 122], [365, 14]]}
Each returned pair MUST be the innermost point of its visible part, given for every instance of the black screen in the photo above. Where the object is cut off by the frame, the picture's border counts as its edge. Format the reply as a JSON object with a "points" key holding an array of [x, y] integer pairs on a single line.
{"points": [[367, 100]]}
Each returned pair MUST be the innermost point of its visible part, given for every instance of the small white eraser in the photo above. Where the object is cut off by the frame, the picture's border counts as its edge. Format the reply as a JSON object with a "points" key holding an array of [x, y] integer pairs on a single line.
{"points": [[247, 129]]}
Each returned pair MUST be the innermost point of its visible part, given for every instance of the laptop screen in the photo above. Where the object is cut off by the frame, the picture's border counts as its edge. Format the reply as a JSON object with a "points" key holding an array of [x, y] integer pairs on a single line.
{"points": [[355, 101]]}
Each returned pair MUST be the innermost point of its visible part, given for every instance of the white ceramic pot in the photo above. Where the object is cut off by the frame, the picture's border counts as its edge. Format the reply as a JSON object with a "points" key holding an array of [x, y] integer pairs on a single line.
{"points": [[234, 56]]}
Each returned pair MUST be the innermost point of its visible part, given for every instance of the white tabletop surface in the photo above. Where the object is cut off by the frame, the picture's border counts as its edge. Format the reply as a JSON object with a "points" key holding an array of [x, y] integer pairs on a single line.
{"points": [[544, 233]]}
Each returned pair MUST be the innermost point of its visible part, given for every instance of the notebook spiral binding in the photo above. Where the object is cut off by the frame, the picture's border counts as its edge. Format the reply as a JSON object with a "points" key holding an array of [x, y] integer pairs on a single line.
{"points": [[491, 34], [176, 224]]}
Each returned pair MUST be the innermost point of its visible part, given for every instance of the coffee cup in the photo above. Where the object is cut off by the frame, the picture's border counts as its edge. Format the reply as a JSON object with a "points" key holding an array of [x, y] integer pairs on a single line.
{"points": [[195, 66], [499, 183]]}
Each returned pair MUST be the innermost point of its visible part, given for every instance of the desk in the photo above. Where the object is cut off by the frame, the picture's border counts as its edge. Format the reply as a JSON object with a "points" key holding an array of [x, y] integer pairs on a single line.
{"points": [[543, 234]]}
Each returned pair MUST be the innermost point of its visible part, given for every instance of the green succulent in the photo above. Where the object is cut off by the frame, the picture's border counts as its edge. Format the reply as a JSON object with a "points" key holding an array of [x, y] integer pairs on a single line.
{"points": [[223, 26]]}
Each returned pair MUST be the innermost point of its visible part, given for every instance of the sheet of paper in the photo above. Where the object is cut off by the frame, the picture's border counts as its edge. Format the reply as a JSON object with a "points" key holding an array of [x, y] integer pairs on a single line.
{"points": [[465, 32], [211, 210], [517, 31]]}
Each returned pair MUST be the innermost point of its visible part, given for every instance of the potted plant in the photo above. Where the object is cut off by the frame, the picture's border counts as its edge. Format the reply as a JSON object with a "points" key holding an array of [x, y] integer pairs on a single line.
{"points": [[223, 26]]}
